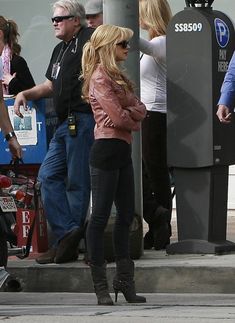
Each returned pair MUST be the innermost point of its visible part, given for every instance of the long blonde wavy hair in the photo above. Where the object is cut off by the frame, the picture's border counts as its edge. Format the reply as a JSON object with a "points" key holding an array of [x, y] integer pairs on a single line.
{"points": [[100, 49], [155, 15]]}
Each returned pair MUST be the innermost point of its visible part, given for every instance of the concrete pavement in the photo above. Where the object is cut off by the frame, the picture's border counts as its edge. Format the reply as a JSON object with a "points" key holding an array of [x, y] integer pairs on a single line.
{"points": [[155, 272]]}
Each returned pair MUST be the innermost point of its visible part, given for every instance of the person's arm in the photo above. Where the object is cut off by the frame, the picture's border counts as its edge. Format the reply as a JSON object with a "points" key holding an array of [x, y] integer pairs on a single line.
{"points": [[155, 48], [44, 90], [138, 110], [227, 98], [104, 94], [7, 129]]}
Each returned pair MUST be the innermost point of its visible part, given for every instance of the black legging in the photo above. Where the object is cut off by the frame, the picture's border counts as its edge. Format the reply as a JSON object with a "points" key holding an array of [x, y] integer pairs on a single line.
{"points": [[110, 186], [154, 149]]}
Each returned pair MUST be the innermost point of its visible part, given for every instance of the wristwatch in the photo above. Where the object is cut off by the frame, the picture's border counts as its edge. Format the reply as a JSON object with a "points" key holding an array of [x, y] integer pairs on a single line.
{"points": [[10, 135]]}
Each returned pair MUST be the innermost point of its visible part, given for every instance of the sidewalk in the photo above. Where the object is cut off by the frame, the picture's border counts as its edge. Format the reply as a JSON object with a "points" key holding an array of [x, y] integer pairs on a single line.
{"points": [[156, 272]]}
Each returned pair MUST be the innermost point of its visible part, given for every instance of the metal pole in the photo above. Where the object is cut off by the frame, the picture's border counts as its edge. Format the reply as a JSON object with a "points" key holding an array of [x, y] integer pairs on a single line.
{"points": [[126, 13]]}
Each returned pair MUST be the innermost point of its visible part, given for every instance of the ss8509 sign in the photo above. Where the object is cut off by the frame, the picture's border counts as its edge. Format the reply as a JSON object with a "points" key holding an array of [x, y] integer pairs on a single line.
{"points": [[188, 27]]}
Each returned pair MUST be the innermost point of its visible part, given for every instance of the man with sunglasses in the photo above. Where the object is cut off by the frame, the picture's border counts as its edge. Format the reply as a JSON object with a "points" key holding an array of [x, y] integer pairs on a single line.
{"points": [[64, 173]]}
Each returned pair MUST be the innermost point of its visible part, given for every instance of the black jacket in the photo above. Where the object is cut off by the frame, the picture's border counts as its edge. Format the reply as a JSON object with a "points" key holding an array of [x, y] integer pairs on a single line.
{"points": [[23, 79]]}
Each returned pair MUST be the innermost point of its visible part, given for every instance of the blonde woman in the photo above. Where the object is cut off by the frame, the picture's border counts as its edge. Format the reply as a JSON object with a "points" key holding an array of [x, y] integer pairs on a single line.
{"points": [[117, 113], [154, 18]]}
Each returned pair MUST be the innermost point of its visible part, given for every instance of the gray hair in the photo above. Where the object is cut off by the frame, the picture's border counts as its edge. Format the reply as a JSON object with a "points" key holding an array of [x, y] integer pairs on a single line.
{"points": [[74, 8]]}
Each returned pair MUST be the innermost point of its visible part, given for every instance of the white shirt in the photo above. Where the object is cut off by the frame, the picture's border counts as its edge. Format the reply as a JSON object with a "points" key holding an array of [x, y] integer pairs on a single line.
{"points": [[153, 73]]}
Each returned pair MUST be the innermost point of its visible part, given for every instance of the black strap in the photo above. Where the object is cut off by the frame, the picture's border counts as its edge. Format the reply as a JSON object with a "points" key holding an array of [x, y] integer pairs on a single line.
{"points": [[16, 161]]}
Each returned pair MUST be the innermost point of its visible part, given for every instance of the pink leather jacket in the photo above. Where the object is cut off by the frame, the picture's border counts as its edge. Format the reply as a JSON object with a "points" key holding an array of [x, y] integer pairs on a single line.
{"points": [[116, 111]]}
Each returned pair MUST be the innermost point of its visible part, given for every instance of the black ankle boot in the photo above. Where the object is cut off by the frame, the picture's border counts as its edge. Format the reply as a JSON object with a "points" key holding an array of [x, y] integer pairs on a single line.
{"points": [[148, 240], [161, 228], [124, 282], [100, 285]]}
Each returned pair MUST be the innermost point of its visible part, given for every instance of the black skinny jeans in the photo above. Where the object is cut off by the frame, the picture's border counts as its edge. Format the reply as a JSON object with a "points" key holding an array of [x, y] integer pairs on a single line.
{"points": [[110, 186], [154, 149]]}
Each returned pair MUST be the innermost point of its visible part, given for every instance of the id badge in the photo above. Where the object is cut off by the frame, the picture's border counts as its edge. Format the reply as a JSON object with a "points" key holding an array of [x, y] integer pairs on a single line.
{"points": [[55, 70]]}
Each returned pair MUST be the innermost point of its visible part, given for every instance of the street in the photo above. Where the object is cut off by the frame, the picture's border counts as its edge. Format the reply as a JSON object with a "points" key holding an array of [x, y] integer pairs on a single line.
{"points": [[77, 307]]}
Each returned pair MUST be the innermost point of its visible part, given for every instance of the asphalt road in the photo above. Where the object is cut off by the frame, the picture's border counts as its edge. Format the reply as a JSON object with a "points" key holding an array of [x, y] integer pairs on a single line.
{"points": [[74, 307]]}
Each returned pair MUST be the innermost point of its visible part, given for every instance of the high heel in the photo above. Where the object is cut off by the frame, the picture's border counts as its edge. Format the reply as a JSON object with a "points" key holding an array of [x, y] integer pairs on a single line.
{"points": [[124, 282], [128, 290]]}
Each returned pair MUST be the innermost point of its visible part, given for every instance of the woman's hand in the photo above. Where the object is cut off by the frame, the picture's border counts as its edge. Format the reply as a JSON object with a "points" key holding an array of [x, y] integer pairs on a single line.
{"points": [[7, 77]]}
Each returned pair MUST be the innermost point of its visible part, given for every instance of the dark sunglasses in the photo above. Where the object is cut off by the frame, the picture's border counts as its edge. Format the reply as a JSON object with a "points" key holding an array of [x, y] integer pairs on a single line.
{"points": [[60, 18], [124, 44]]}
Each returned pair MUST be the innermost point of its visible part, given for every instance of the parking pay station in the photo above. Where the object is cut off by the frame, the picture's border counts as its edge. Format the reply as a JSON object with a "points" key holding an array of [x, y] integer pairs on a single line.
{"points": [[200, 44]]}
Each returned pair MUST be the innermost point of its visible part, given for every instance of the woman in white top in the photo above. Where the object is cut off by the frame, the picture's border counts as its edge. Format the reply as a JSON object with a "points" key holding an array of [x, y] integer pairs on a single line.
{"points": [[154, 17]]}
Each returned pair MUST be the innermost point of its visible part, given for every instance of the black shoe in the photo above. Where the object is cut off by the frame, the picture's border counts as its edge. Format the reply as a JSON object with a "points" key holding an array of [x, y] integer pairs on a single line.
{"points": [[68, 247], [47, 257]]}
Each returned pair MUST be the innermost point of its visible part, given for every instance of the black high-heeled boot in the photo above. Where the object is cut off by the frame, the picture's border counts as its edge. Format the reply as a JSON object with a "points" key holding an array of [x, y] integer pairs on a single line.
{"points": [[161, 228], [101, 285], [124, 282], [148, 240]]}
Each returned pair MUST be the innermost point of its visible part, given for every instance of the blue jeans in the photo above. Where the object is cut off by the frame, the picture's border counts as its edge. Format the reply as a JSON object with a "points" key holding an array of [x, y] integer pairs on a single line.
{"points": [[65, 178], [110, 186]]}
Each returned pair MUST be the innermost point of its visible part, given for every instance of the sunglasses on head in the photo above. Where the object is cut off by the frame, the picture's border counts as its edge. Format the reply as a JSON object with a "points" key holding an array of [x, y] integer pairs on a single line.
{"points": [[124, 44], [60, 18]]}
